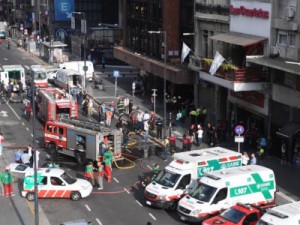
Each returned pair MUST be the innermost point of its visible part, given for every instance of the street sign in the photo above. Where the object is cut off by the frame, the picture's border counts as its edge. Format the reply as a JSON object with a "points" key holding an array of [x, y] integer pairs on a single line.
{"points": [[239, 129], [239, 139], [116, 73]]}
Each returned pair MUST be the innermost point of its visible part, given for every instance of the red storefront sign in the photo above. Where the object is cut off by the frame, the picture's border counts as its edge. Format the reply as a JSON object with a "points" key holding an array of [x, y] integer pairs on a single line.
{"points": [[242, 10], [252, 97]]}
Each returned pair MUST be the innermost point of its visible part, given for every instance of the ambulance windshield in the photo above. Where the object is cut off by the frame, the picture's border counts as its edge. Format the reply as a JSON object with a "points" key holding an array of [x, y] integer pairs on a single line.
{"points": [[69, 179], [166, 178], [203, 192]]}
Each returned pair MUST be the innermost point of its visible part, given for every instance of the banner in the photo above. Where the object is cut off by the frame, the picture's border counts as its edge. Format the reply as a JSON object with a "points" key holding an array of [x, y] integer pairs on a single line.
{"points": [[185, 51], [216, 63]]}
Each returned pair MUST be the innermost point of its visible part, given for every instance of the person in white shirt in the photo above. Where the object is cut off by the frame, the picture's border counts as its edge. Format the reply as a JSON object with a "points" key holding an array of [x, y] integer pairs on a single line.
{"points": [[199, 135], [126, 105], [245, 159], [139, 118], [146, 129], [146, 116]]}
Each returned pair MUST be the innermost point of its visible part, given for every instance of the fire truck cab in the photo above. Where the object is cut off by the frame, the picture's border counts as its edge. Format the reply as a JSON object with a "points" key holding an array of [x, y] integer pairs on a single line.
{"points": [[81, 139], [53, 103]]}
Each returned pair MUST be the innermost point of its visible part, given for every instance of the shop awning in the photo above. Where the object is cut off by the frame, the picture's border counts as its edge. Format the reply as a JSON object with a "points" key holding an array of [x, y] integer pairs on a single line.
{"points": [[288, 130], [276, 63], [238, 38]]}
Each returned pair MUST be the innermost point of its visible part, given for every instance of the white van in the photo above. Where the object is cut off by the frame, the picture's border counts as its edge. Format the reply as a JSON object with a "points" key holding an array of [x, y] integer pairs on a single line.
{"points": [[79, 67], [288, 214], [39, 74], [182, 173], [55, 183], [222, 189], [70, 80], [13, 73]]}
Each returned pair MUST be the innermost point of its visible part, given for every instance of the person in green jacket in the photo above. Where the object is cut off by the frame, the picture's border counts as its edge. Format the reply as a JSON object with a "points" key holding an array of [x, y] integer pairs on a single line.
{"points": [[89, 173], [1, 183], [108, 159], [7, 180]]}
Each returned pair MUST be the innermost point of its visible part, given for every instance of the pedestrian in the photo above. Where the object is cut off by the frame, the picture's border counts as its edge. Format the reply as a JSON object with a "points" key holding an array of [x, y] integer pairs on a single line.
{"points": [[191, 133], [130, 106], [146, 129], [28, 111], [199, 136], [139, 118], [100, 119], [172, 141], [1, 182], [283, 153], [90, 107], [1, 143], [108, 117], [26, 158], [178, 119], [165, 148], [103, 111], [85, 105], [120, 107], [159, 125], [125, 137], [261, 154], [126, 105], [18, 156], [108, 159], [245, 159], [209, 134], [89, 173], [119, 124], [133, 86], [100, 174], [155, 172], [185, 143], [253, 159], [152, 120], [7, 180], [112, 107]]}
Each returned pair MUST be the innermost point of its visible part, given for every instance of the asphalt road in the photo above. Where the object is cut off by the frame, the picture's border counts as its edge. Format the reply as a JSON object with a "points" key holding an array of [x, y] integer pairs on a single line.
{"points": [[120, 202]]}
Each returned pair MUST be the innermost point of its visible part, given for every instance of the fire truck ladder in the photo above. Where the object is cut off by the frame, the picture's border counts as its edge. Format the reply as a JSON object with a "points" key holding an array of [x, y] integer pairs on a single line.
{"points": [[86, 124]]}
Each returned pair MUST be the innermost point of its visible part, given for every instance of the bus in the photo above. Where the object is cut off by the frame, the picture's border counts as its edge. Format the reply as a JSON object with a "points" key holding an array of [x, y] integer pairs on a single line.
{"points": [[39, 75], [13, 74]]}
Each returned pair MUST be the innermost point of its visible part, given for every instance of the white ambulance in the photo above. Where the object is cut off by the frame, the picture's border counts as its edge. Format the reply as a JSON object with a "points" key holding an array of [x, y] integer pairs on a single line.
{"points": [[182, 173], [55, 183], [78, 66], [39, 75], [288, 214], [220, 190]]}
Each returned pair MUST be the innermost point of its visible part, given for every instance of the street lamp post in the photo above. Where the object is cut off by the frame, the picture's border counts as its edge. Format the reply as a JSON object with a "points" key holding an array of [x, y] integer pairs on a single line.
{"points": [[83, 30], [165, 75]]}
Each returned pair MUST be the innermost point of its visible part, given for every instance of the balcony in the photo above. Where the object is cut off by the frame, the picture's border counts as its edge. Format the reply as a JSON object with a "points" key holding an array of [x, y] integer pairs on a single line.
{"points": [[230, 76]]}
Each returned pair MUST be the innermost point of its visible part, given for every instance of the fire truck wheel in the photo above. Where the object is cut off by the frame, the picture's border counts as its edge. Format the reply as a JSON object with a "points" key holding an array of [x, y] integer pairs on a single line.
{"points": [[75, 196], [80, 157], [30, 196]]}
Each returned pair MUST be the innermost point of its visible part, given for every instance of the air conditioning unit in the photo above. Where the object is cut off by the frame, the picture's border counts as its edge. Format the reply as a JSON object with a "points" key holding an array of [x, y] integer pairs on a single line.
{"points": [[289, 12]]}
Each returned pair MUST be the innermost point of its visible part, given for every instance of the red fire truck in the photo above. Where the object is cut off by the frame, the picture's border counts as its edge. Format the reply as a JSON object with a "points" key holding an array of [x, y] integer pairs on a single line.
{"points": [[81, 139], [53, 103]]}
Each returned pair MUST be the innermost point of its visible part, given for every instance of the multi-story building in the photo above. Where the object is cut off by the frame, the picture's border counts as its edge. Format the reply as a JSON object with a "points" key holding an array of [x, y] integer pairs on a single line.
{"points": [[146, 51]]}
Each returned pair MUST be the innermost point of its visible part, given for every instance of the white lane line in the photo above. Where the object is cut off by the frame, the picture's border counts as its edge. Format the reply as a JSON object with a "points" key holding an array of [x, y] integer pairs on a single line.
{"points": [[116, 180], [153, 217], [26, 67], [37, 141], [87, 207], [149, 167], [23, 123], [127, 191], [285, 196], [139, 203], [98, 221], [5, 59], [31, 135], [48, 156], [90, 120], [128, 150], [27, 128], [12, 109]]}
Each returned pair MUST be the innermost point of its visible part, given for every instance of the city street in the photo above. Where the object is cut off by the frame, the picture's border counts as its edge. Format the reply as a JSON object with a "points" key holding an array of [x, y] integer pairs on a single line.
{"points": [[122, 201]]}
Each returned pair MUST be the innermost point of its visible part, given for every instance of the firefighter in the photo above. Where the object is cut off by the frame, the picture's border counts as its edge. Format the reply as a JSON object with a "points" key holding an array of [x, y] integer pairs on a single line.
{"points": [[108, 158], [120, 107], [7, 180], [89, 173]]}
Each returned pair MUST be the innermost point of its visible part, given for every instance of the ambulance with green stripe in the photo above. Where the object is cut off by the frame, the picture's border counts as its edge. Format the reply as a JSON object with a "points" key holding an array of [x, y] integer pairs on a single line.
{"points": [[288, 214], [182, 173], [220, 190], [55, 183]]}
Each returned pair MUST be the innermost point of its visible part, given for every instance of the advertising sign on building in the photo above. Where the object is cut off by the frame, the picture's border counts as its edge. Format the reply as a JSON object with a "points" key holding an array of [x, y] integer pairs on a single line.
{"points": [[64, 9], [251, 17]]}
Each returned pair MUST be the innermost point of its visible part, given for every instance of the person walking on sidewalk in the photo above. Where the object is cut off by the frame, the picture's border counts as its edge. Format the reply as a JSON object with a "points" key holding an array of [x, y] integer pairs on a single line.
{"points": [[1, 182], [1, 143], [100, 175], [7, 180], [245, 159]]}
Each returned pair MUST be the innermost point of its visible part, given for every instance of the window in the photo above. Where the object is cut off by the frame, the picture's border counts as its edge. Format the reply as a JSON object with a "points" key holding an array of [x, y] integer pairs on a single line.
{"points": [[56, 181], [61, 131], [250, 219], [184, 182], [222, 194], [282, 38], [44, 181], [292, 40]]}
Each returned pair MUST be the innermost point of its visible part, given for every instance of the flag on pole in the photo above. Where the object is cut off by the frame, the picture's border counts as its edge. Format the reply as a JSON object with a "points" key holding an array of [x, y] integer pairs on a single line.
{"points": [[185, 51], [216, 63]]}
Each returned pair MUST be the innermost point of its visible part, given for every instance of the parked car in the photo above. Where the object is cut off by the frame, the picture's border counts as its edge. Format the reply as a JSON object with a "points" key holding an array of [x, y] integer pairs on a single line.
{"points": [[2, 35]]}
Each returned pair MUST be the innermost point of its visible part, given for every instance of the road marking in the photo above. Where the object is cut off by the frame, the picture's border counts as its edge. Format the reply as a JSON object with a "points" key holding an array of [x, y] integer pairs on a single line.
{"points": [[12, 109], [285, 196], [23, 123], [153, 217], [116, 180], [98, 221], [90, 120], [5, 59], [37, 141], [149, 167], [27, 128], [127, 191], [48, 156], [87, 207], [128, 150], [139, 203], [3, 113], [31, 135], [26, 67]]}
